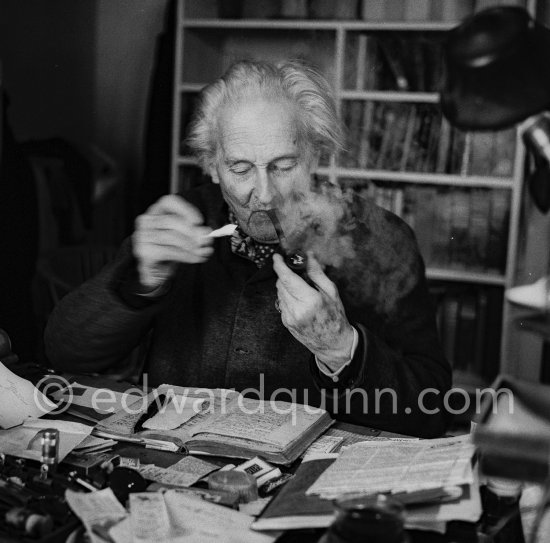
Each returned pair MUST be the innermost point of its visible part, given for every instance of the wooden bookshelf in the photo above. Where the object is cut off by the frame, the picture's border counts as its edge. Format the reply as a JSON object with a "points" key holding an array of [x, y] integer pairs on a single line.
{"points": [[362, 60]]}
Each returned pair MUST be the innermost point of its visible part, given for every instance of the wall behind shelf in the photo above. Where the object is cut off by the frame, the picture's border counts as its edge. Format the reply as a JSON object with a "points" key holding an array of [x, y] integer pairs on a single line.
{"points": [[81, 70]]}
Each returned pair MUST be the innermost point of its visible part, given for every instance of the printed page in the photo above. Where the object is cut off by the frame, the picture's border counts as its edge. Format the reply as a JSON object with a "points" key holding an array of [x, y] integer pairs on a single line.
{"points": [[20, 399], [184, 473], [398, 466], [98, 511], [202, 522], [176, 411], [213, 401], [275, 423], [124, 421]]}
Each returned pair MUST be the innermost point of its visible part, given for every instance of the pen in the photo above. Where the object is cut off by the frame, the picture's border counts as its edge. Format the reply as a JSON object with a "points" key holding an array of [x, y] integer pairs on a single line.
{"points": [[153, 408]]}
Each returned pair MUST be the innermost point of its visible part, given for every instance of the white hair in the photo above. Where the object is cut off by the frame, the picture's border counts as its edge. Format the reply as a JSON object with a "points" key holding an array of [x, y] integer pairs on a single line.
{"points": [[318, 126]]}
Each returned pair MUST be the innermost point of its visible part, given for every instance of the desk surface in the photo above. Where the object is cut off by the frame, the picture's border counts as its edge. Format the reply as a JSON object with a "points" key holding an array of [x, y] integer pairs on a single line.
{"points": [[457, 532]]}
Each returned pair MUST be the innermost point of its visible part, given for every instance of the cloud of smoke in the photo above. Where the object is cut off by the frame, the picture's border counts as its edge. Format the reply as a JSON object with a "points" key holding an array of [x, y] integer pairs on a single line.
{"points": [[369, 252]]}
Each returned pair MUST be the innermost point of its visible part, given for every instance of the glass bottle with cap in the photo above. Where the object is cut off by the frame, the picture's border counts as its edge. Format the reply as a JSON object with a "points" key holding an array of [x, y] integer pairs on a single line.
{"points": [[501, 522], [360, 518]]}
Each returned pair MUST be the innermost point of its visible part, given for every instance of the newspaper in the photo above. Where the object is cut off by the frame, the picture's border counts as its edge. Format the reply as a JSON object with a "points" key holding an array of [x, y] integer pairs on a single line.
{"points": [[397, 466]]}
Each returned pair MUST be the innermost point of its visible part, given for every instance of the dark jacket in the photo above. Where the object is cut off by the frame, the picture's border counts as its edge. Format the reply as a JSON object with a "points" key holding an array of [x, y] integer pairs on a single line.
{"points": [[218, 327]]}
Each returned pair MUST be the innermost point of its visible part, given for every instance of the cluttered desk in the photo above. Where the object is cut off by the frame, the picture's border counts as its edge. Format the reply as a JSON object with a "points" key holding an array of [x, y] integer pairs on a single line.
{"points": [[84, 453]]}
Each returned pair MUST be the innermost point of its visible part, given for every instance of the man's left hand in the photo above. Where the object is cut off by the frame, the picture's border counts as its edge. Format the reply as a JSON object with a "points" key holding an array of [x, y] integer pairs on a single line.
{"points": [[314, 316]]}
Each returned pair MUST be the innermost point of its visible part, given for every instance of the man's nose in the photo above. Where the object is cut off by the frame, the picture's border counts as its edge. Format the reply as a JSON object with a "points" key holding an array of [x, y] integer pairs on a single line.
{"points": [[265, 192]]}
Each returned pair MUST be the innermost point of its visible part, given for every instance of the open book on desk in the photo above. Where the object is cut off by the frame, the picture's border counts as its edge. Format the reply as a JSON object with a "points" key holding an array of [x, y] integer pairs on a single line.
{"points": [[222, 423]]}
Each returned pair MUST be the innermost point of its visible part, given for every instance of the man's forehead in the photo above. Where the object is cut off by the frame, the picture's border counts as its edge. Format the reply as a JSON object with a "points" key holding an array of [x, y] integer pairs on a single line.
{"points": [[275, 117]]}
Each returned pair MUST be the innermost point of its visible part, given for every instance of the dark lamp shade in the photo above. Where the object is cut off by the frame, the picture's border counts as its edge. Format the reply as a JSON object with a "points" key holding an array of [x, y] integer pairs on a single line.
{"points": [[497, 70]]}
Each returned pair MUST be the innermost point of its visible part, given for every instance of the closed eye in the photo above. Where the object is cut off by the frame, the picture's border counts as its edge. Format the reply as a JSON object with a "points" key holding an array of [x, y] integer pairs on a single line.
{"points": [[283, 165], [240, 168]]}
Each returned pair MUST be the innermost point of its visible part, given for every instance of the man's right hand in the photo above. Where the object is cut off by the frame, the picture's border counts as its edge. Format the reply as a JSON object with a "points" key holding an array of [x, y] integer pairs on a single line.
{"points": [[168, 233]]}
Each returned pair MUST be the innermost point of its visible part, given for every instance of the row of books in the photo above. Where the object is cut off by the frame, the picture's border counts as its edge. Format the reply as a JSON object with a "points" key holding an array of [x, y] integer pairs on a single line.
{"points": [[368, 10], [466, 318], [456, 227], [400, 61], [427, 10], [415, 137]]}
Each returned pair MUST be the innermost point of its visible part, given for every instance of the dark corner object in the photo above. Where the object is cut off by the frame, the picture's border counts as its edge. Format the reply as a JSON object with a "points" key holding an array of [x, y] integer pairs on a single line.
{"points": [[513, 439], [497, 70], [497, 74]]}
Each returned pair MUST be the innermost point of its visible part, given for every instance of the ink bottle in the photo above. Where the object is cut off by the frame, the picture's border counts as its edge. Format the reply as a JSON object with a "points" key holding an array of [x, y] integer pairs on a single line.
{"points": [[376, 519]]}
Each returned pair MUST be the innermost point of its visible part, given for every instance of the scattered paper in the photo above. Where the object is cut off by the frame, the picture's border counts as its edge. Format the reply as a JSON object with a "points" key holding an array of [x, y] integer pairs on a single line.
{"points": [[102, 400], [20, 400], [323, 445], [24, 441], [204, 522], [98, 511], [397, 466], [177, 412], [184, 473], [149, 517], [193, 520]]}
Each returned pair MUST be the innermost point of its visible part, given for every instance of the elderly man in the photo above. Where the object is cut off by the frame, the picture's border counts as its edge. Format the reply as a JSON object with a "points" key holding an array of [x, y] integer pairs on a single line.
{"points": [[355, 334]]}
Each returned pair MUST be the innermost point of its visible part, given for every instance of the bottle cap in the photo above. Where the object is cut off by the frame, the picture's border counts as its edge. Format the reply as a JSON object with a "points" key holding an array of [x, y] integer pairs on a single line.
{"points": [[238, 483], [507, 488]]}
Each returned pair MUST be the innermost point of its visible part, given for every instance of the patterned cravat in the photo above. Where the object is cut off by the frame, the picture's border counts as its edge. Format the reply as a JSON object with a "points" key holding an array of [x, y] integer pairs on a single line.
{"points": [[248, 248]]}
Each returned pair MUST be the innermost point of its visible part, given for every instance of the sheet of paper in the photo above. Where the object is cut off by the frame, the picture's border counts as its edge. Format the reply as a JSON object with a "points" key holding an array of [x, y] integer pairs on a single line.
{"points": [[98, 511], [20, 400], [397, 466], [178, 411], [149, 517], [24, 441], [123, 423], [193, 520], [276, 423], [185, 473], [102, 400], [199, 521]]}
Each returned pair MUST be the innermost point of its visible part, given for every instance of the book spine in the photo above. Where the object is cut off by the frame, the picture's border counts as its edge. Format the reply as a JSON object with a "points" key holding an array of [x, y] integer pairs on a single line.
{"points": [[373, 10], [452, 10], [361, 64], [479, 227], [485, 4], [417, 10], [363, 157], [408, 137]]}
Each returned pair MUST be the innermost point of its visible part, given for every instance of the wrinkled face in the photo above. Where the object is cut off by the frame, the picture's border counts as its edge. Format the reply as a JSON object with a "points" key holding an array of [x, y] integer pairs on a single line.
{"points": [[259, 163]]}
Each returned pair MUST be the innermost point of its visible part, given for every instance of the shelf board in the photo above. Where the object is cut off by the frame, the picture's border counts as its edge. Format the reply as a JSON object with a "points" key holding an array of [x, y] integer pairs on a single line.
{"points": [[187, 161], [404, 177], [308, 24], [424, 178], [465, 276], [191, 87], [390, 96]]}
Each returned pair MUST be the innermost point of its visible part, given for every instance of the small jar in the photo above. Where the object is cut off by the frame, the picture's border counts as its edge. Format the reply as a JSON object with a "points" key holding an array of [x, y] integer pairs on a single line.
{"points": [[376, 519]]}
